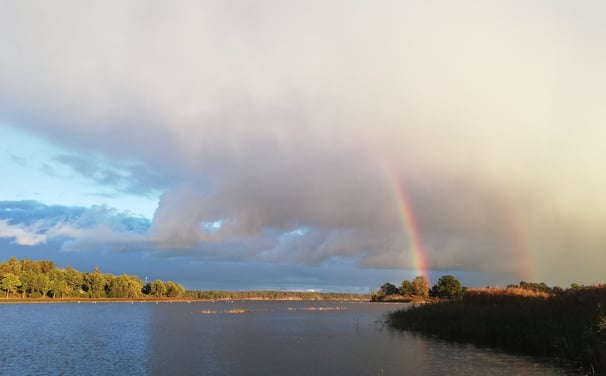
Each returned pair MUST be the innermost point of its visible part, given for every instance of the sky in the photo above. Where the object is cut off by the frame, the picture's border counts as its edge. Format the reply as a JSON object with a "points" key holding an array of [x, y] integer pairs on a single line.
{"points": [[306, 145]]}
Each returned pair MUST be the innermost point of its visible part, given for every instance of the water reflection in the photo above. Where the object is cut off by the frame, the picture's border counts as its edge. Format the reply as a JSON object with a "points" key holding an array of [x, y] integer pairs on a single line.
{"points": [[303, 338]]}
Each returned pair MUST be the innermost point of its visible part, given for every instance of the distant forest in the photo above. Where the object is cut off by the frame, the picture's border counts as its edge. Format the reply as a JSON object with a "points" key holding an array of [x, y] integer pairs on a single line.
{"points": [[42, 279], [272, 295]]}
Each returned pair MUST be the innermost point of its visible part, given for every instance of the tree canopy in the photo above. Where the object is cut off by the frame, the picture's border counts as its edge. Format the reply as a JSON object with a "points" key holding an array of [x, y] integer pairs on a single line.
{"points": [[42, 279], [448, 287], [420, 286], [417, 288]]}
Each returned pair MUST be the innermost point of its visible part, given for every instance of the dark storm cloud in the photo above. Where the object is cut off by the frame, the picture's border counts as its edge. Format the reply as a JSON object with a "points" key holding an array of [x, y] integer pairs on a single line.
{"points": [[271, 119]]}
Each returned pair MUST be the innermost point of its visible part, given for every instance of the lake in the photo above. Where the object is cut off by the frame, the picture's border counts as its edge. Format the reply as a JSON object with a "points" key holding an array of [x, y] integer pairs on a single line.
{"points": [[233, 338]]}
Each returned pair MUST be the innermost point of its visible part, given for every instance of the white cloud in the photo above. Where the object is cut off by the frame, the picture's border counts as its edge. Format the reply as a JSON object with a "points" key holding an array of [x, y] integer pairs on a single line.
{"points": [[21, 235], [78, 228]]}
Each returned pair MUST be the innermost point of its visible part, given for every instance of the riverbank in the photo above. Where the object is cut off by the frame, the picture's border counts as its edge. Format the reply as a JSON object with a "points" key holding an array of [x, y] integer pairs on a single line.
{"points": [[570, 326]]}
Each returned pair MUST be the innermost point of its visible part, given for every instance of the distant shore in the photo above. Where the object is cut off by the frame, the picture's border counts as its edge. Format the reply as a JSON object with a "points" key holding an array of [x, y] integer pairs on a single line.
{"points": [[13, 300], [211, 295]]}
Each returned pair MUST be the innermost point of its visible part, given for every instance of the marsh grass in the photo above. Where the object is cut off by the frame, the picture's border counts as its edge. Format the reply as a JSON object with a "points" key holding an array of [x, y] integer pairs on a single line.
{"points": [[570, 325]]}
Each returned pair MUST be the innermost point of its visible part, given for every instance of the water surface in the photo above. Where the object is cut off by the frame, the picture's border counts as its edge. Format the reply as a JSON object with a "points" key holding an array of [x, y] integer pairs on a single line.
{"points": [[233, 338]]}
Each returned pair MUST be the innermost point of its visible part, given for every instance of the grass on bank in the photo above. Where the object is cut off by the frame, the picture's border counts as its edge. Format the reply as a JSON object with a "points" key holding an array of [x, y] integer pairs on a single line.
{"points": [[570, 325]]}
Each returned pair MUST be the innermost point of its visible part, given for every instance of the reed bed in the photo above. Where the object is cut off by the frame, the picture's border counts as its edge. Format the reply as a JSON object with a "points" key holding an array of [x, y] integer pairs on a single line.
{"points": [[570, 325]]}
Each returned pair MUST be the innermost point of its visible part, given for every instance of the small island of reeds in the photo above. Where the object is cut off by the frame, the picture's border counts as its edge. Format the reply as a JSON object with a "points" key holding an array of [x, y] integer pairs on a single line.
{"points": [[566, 324]]}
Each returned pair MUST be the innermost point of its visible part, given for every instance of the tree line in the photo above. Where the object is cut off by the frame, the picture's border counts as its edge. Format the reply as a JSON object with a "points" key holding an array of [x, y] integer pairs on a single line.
{"points": [[450, 288], [271, 295], [447, 287], [42, 279]]}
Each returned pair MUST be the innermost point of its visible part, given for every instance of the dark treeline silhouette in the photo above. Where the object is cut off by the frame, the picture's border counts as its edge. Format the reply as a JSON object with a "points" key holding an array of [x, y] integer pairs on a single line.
{"points": [[271, 295], [528, 318], [41, 279]]}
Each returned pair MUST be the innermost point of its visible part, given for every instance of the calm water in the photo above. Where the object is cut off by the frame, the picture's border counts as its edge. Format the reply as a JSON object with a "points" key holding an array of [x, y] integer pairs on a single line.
{"points": [[269, 338]]}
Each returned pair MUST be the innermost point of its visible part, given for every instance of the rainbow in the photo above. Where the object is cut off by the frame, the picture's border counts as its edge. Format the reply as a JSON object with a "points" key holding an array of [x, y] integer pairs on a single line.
{"points": [[522, 250], [410, 226]]}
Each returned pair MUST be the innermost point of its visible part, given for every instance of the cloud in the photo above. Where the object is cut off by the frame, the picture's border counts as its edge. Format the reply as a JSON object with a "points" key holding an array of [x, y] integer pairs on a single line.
{"points": [[273, 118], [22, 236], [125, 177], [31, 223]]}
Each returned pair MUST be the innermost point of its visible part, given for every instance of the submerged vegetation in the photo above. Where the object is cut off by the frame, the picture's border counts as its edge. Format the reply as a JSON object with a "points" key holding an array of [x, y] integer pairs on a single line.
{"points": [[528, 318], [28, 279]]}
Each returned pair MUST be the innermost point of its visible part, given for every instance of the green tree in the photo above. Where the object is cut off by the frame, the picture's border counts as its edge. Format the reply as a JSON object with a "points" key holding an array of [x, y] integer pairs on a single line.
{"points": [[388, 289], [42, 279], [448, 287], [10, 283], [27, 279], [96, 284], [125, 286], [46, 266], [74, 280], [385, 290], [58, 285], [117, 287], [28, 265], [135, 286], [11, 266], [59, 288], [407, 288], [174, 290], [420, 286], [41, 283], [158, 288]]}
